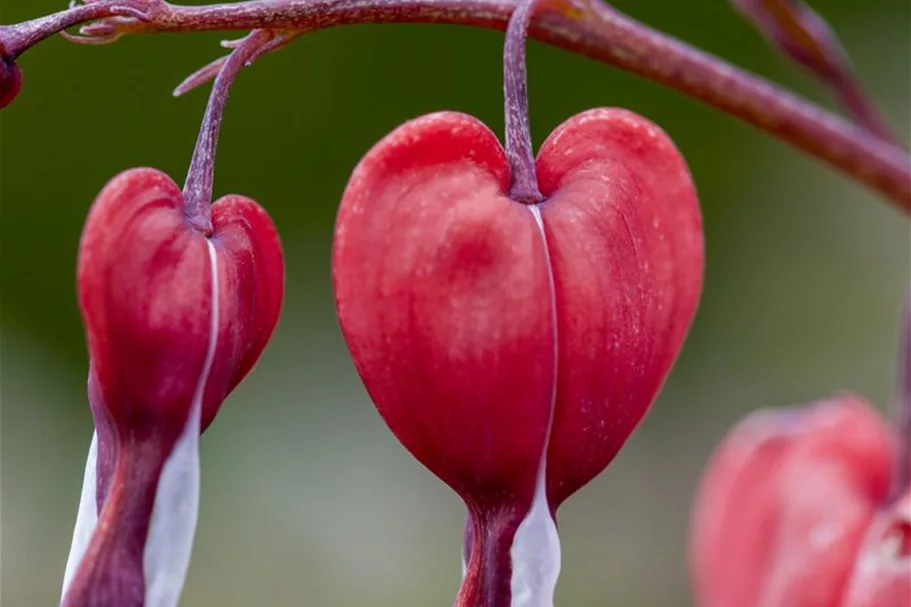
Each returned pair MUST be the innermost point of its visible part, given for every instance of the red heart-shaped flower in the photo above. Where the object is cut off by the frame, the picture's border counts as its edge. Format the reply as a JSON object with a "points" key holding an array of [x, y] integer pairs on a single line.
{"points": [[481, 325], [144, 280], [511, 347], [174, 318]]}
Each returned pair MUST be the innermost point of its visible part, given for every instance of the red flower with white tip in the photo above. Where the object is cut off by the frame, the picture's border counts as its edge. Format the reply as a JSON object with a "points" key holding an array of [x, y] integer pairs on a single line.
{"points": [[179, 298], [514, 319]]}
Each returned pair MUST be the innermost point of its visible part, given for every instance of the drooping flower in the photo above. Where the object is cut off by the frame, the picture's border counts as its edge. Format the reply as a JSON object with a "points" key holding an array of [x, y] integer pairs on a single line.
{"points": [[513, 347], [794, 511], [179, 296]]}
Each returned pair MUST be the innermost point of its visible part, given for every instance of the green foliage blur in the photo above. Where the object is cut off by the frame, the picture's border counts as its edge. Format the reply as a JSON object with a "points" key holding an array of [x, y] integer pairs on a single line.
{"points": [[307, 499]]}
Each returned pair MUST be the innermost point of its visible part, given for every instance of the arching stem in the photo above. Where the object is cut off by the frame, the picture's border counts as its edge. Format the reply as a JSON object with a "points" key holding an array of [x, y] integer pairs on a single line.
{"points": [[600, 32], [17, 38], [197, 190]]}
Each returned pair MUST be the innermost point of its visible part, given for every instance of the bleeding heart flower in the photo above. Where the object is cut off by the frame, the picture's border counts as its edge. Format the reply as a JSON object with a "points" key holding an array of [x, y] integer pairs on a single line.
{"points": [[179, 297], [146, 292], [793, 512], [175, 318], [511, 347], [514, 319]]}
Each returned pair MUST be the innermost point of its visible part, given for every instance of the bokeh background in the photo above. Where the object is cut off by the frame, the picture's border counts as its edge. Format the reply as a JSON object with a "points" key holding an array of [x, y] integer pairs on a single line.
{"points": [[307, 498]]}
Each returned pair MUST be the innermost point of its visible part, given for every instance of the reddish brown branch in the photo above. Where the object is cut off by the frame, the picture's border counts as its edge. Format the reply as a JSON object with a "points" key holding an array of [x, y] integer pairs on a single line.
{"points": [[597, 31], [796, 30]]}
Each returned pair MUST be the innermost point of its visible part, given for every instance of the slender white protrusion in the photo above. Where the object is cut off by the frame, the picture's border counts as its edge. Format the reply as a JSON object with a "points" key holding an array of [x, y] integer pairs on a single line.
{"points": [[174, 515], [535, 555], [535, 551], [86, 515]]}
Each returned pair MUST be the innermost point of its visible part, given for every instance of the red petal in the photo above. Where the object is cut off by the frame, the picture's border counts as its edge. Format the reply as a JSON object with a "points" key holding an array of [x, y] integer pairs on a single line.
{"points": [[144, 281], [625, 238], [443, 295], [251, 275]]}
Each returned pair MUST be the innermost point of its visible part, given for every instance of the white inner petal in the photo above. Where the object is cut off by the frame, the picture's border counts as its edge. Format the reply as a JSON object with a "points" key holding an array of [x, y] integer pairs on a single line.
{"points": [[170, 541], [86, 515], [535, 555], [535, 551]]}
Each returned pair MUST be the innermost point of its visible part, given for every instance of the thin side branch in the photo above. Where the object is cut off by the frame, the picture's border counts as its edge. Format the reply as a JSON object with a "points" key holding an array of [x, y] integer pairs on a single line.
{"points": [[796, 30]]}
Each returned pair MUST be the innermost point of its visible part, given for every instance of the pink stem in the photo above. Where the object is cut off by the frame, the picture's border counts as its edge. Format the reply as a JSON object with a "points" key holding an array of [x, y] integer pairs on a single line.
{"points": [[17, 38], [801, 34], [524, 187], [599, 32], [197, 190]]}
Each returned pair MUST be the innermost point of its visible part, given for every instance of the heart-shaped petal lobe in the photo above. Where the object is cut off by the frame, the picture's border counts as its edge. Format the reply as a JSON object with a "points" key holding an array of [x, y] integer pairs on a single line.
{"points": [[624, 234], [480, 325], [144, 275]]}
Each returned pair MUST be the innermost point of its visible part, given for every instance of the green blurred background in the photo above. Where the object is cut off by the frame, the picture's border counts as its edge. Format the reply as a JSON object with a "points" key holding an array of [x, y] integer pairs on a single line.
{"points": [[307, 499]]}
